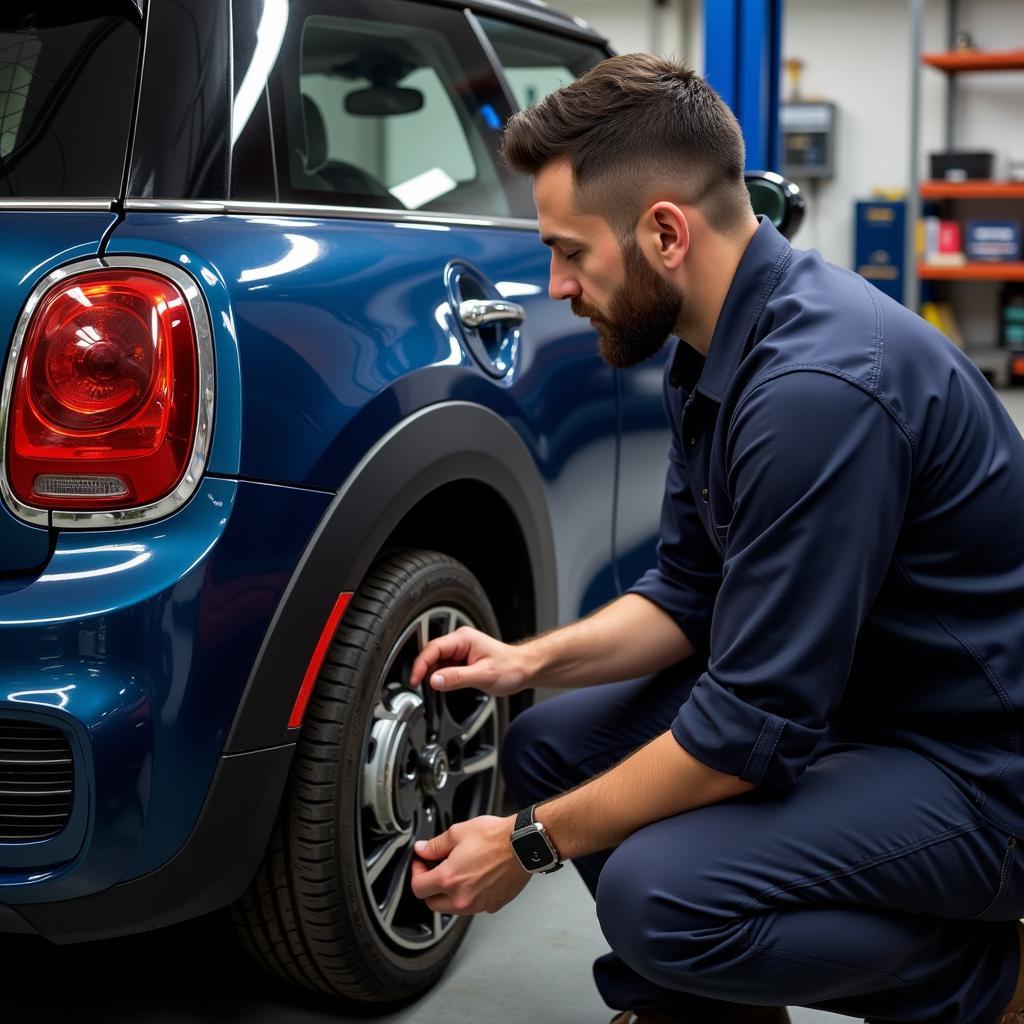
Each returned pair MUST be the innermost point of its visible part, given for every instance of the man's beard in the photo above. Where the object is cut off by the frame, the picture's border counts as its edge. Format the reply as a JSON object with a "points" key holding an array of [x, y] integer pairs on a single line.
{"points": [[641, 315]]}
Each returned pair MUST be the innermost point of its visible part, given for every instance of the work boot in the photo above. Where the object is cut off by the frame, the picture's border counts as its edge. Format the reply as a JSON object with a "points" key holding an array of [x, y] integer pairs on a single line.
{"points": [[1014, 1013], [731, 1013]]}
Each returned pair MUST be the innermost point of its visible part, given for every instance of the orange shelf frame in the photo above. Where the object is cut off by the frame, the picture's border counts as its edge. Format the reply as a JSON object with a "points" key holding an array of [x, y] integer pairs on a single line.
{"points": [[974, 60], [972, 272], [977, 189]]}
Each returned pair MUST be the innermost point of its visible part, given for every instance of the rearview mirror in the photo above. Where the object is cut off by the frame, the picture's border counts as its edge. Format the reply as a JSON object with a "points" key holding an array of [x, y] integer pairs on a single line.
{"points": [[383, 101], [777, 198]]}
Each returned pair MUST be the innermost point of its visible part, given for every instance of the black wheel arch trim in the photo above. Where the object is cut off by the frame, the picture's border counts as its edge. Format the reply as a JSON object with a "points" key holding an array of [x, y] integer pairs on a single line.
{"points": [[441, 444]]}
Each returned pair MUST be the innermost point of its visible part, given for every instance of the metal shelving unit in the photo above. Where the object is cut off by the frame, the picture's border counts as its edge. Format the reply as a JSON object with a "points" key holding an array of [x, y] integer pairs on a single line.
{"points": [[952, 62]]}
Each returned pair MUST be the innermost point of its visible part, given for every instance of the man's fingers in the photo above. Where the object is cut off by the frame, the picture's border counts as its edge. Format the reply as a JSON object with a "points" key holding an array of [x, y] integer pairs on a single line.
{"points": [[420, 886], [442, 905], [460, 677], [453, 647], [427, 887], [437, 848], [451, 678], [424, 882]]}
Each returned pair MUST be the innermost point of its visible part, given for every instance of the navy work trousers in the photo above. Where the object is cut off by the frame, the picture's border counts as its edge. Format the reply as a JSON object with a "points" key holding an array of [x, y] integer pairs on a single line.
{"points": [[872, 888]]}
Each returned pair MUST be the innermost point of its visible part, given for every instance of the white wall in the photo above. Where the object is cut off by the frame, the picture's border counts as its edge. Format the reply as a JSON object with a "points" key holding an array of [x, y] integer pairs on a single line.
{"points": [[857, 53], [674, 30]]}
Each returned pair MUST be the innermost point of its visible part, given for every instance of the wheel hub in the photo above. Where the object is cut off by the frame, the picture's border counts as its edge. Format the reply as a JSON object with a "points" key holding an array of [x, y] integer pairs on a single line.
{"points": [[427, 764], [433, 768], [392, 773]]}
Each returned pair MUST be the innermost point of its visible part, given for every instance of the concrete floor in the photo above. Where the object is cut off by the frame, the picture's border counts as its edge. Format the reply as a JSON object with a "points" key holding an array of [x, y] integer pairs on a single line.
{"points": [[526, 965]]}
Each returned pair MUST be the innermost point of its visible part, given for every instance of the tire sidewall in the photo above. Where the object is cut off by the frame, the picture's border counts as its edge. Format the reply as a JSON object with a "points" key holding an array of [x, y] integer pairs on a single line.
{"points": [[439, 580]]}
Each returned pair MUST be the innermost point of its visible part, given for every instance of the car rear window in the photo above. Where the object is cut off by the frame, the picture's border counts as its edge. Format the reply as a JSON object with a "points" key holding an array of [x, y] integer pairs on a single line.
{"points": [[67, 84]]}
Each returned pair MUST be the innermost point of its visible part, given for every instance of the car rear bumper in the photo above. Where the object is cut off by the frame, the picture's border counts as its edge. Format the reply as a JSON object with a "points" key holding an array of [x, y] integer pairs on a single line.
{"points": [[208, 872], [131, 652]]}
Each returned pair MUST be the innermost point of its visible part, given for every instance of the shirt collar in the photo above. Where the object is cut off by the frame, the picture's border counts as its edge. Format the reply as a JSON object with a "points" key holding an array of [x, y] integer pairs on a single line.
{"points": [[758, 272]]}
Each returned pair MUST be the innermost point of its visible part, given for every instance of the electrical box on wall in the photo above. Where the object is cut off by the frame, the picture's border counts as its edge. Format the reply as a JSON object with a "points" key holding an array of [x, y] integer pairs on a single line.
{"points": [[808, 138]]}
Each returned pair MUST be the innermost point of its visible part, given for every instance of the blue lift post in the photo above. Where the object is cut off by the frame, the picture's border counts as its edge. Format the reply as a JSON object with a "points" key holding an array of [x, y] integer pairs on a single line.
{"points": [[742, 58]]}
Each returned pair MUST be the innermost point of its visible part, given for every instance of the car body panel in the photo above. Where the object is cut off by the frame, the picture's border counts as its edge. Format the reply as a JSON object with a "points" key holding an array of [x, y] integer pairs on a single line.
{"points": [[344, 329], [138, 642]]}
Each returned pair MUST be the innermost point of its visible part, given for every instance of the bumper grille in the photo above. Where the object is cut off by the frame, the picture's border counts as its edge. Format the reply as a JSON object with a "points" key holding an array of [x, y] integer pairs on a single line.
{"points": [[36, 781]]}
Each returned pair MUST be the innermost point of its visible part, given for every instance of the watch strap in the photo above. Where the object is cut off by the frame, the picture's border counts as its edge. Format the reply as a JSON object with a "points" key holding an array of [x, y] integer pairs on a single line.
{"points": [[524, 817]]}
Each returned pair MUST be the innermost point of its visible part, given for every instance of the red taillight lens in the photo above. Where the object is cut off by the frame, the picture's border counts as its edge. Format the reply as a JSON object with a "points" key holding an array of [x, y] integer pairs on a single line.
{"points": [[104, 408]]}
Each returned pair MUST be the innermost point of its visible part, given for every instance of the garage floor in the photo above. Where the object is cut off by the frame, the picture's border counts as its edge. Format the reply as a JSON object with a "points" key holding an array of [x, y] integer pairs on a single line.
{"points": [[530, 964]]}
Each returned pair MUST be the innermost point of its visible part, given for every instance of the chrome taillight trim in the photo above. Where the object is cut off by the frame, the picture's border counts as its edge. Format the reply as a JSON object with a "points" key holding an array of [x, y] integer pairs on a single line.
{"points": [[103, 520]]}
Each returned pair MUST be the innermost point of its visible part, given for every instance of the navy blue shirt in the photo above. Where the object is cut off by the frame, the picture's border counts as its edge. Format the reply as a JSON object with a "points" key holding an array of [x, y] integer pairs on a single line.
{"points": [[842, 535]]}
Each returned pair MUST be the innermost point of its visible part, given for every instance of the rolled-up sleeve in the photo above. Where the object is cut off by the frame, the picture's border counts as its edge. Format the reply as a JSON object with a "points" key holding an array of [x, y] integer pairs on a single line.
{"points": [[818, 473], [688, 572]]}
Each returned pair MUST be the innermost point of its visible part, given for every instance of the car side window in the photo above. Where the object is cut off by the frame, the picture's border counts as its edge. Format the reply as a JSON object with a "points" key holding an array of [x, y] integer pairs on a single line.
{"points": [[390, 104], [537, 63]]}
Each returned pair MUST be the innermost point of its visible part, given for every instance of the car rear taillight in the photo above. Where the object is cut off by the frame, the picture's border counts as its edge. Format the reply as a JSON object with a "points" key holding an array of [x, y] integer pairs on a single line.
{"points": [[105, 403]]}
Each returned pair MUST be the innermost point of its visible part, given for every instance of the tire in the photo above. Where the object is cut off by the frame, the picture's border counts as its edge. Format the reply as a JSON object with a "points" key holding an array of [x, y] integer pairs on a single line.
{"points": [[330, 907]]}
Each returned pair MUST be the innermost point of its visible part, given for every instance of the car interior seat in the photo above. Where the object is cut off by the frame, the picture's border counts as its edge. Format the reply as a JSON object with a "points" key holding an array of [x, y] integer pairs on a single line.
{"points": [[337, 175]]}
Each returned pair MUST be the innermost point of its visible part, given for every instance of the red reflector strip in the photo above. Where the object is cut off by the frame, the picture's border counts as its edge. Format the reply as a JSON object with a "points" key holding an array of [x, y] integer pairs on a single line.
{"points": [[306, 690]]}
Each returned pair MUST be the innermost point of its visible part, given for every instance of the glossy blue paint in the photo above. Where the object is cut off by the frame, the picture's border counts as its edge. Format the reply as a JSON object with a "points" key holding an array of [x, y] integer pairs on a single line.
{"points": [[742, 56], [344, 327], [139, 642], [33, 243]]}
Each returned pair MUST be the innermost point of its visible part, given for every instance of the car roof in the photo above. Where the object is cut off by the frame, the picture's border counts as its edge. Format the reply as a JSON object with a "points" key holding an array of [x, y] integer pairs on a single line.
{"points": [[535, 12]]}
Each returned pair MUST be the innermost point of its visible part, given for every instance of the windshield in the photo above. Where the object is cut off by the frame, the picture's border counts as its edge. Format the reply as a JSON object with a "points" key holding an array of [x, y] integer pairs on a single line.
{"points": [[67, 81]]}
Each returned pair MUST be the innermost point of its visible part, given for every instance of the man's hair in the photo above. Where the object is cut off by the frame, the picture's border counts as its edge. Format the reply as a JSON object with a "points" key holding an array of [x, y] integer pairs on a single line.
{"points": [[630, 126]]}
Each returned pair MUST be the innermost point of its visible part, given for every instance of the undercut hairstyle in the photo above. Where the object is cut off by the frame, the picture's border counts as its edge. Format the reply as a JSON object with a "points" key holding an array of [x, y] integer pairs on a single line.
{"points": [[632, 126]]}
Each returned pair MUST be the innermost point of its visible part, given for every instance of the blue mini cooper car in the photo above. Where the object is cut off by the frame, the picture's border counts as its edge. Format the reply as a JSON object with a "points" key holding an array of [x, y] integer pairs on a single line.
{"points": [[284, 397]]}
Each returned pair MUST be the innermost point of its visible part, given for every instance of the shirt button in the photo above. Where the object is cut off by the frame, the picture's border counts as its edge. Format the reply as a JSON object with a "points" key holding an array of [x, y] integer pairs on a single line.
{"points": [[692, 442], [704, 493]]}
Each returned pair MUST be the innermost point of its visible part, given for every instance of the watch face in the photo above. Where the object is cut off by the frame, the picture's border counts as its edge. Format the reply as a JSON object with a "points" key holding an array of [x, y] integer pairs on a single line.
{"points": [[533, 852]]}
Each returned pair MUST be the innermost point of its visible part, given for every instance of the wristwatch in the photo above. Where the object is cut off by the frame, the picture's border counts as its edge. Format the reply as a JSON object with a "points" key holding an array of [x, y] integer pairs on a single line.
{"points": [[531, 845]]}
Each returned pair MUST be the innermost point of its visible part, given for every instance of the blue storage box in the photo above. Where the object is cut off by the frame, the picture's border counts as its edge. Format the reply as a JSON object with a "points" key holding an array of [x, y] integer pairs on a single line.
{"points": [[992, 240]]}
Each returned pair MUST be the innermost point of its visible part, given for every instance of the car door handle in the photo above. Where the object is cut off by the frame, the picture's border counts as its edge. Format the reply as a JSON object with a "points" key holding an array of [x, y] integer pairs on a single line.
{"points": [[477, 312]]}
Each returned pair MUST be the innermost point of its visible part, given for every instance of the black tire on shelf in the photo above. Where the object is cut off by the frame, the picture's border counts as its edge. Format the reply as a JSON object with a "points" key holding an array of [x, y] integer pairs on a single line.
{"points": [[313, 916]]}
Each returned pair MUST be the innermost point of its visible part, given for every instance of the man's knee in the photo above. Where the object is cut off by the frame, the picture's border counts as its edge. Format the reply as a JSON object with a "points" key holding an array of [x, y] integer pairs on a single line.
{"points": [[662, 924]]}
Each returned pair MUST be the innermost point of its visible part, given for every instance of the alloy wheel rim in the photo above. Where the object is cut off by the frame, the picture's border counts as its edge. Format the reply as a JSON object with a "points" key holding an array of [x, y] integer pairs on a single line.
{"points": [[429, 759]]}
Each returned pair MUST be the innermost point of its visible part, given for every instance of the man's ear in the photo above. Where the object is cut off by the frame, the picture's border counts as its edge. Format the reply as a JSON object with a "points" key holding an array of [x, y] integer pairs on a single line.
{"points": [[668, 233]]}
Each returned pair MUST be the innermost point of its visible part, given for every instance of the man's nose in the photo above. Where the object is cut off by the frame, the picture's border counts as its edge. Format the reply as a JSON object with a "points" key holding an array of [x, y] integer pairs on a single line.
{"points": [[562, 286]]}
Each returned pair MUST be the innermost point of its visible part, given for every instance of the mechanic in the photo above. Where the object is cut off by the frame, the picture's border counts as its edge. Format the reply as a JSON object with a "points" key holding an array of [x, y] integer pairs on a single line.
{"points": [[808, 790]]}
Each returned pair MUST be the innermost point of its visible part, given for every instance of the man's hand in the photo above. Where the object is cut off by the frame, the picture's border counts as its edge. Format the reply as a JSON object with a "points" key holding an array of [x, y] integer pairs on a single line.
{"points": [[468, 657], [477, 871]]}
